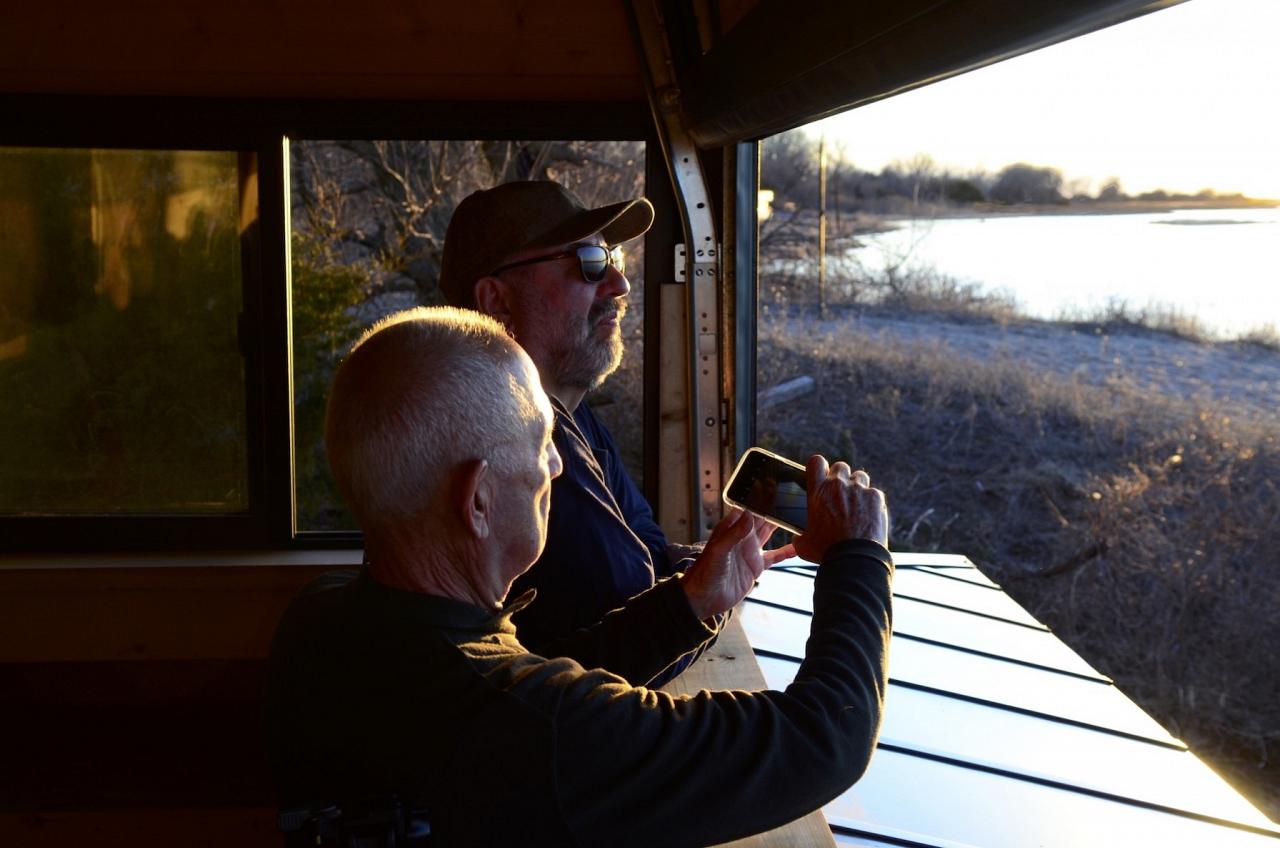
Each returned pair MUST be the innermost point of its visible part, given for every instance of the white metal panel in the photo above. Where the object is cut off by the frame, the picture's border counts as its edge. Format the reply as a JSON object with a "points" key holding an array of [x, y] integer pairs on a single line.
{"points": [[983, 634], [947, 563], [940, 586], [971, 676], [1048, 750], [979, 750], [950, 625], [924, 801], [924, 584]]}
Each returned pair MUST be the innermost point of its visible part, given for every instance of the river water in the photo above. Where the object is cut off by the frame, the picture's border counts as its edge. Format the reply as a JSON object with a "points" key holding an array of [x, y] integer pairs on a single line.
{"points": [[1221, 266]]}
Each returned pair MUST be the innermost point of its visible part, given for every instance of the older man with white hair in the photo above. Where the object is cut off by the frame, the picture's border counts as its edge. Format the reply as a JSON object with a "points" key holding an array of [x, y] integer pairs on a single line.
{"points": [[410, 680]]}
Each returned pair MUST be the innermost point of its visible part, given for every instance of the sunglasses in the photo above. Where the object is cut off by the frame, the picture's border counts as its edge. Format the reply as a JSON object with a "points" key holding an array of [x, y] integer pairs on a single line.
{"points": [[593, 261]]}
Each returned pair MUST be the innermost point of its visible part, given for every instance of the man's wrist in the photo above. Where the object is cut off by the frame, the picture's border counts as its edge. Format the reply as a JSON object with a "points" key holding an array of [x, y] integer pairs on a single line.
{"points": [[697, 604], [863, 547]]}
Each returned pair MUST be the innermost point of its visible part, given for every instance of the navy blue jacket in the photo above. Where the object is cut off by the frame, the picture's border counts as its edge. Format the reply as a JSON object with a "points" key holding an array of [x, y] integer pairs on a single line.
{"points": [[603, 545]]}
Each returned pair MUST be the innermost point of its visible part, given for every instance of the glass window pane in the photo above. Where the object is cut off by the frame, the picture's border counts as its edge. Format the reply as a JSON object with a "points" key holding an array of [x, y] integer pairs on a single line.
{"points": [[121, 377], [368, 224]]}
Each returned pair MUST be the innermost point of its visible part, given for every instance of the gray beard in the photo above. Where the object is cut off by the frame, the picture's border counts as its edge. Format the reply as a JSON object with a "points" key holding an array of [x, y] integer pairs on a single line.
{"points": [[589, 362]]}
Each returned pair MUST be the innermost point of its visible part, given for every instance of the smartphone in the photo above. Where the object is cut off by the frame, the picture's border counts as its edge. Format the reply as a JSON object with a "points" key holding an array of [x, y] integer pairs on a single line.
{"points": [[771, 487]]}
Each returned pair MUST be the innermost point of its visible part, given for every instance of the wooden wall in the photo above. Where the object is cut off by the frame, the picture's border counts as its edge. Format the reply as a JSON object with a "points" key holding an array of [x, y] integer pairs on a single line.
{"points": [[412, 50], [131, 711]]}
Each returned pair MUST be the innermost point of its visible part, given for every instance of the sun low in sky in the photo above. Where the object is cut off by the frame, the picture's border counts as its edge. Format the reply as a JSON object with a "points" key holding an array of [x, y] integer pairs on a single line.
{"points": [[1182, 99]]}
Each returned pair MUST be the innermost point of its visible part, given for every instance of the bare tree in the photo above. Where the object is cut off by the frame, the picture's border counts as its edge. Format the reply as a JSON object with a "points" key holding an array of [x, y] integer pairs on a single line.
{"points": [[1023, 183]]}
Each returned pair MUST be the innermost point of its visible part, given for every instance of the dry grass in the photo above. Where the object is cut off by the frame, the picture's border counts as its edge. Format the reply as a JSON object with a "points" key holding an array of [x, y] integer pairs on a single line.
{"points": [[1119, 315], [1142, 528], [1265, 336]]}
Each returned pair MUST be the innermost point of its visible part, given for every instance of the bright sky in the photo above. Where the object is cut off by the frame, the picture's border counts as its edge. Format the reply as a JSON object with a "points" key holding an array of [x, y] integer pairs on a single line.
{"points": [[1182, 99]]}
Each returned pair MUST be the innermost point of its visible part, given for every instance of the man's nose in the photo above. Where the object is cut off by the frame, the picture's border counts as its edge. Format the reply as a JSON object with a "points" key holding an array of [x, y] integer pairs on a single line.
{"points": [[614, 284], [554, 463]]}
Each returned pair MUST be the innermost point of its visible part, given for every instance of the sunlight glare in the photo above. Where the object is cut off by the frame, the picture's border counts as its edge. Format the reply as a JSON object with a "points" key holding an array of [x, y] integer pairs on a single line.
{"points": [[1181, 99]]}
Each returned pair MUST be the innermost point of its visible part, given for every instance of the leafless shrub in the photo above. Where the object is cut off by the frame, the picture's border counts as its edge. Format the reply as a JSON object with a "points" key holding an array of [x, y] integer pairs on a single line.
{"points": [[931, 292], [788, 278], [1264, 336], [1119, 314]]}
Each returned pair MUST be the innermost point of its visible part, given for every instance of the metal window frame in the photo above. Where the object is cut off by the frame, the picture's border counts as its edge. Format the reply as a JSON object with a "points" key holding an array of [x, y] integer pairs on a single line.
{"points": [[746, 261], [696, 369]]}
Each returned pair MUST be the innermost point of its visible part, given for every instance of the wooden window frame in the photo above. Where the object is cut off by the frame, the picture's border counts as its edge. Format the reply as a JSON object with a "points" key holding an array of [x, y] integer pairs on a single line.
{"points": [[264, 128]]}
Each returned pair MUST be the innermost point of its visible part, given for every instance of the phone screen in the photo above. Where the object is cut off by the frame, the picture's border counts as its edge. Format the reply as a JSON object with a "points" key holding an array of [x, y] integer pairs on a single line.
{"points": [[771, 487]]}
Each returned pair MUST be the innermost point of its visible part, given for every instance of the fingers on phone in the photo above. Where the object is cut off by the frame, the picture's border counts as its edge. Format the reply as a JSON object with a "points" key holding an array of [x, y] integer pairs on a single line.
{"points": [[726, 531], [817, 470], [779, 554]]}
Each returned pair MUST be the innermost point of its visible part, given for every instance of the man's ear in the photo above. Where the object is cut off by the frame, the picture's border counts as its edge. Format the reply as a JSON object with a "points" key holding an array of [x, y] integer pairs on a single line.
{"points": [[474, 497], [493, 298]]}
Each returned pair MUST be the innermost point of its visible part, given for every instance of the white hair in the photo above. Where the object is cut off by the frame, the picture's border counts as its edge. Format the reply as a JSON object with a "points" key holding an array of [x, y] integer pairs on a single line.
{"points": [[421, 392]]}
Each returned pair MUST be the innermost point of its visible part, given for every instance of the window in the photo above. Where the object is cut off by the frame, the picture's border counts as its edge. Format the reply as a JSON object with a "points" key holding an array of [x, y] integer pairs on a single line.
{"points": [[1046, 323], [368, 220], [121, 377], [162, 384]]}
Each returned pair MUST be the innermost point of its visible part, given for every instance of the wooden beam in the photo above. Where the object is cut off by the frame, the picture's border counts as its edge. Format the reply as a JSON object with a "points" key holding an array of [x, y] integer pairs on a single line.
{"points": [[415, 50]]}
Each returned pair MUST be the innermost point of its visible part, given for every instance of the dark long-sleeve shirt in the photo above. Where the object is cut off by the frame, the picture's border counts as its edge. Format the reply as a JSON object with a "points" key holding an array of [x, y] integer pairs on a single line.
{"points": [[375, 690]]}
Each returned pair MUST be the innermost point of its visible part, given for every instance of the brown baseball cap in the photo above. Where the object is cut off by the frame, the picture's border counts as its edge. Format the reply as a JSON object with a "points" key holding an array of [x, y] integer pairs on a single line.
{"points": [[490, 225]]}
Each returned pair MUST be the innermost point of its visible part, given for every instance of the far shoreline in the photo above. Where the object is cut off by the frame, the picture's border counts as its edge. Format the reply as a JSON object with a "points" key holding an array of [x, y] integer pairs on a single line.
{"points": [[1094, 207]]}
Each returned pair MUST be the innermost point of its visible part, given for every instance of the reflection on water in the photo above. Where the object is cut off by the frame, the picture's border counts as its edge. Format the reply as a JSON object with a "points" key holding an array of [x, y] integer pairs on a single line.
{"points": [[1227, 274]]}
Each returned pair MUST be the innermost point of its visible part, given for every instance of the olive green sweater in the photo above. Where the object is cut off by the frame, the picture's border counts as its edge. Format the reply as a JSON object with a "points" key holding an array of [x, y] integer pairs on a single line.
{"points": [[376, 691]]}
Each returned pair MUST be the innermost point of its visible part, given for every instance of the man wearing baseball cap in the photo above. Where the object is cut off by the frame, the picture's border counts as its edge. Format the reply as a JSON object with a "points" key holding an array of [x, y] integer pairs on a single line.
{"points": [[551, 270]]}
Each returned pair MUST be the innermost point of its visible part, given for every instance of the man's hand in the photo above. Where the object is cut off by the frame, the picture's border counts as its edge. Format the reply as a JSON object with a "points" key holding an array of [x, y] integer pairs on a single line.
{"points": [[842, 505], [730, 563]]}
